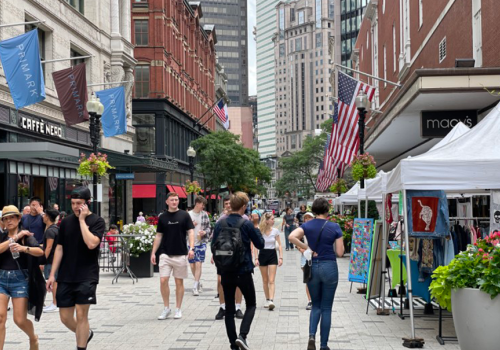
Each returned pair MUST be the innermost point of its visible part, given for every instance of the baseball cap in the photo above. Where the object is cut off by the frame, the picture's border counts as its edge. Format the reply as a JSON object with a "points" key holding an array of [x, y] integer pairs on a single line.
{"points": [[310, 214], [81, 193]]}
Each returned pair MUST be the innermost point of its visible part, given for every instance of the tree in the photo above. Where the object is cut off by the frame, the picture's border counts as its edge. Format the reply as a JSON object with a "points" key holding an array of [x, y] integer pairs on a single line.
{"points": [[299, 169], [223, 161]]}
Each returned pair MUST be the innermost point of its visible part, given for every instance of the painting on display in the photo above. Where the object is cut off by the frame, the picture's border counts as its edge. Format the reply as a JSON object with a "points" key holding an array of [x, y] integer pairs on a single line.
{"points": [[360, 250]]}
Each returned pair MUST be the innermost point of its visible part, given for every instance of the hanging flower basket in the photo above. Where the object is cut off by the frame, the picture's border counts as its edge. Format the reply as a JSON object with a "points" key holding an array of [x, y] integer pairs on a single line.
{"points": [[192, 187], [94, 165], [363, 167], [339, 186]]}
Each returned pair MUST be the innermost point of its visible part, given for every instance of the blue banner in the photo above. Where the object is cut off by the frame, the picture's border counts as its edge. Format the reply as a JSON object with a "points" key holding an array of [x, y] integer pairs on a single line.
{"points": [[20, 58], [114, 118]]}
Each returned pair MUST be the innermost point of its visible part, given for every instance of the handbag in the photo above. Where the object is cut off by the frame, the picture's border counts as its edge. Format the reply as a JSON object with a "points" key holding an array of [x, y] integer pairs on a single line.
{"points": [[307, 270]]}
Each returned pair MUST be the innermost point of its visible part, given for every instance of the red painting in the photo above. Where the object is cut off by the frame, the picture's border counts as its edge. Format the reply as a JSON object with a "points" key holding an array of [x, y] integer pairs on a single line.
{"points": [[424, 211]]}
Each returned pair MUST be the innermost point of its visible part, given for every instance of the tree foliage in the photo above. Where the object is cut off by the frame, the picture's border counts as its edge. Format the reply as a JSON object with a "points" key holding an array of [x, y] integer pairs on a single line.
{"points": [[223, 161]]}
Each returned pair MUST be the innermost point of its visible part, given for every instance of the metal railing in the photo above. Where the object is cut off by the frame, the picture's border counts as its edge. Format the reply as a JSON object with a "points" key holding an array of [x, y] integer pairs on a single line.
{"points": [[114, 256]]}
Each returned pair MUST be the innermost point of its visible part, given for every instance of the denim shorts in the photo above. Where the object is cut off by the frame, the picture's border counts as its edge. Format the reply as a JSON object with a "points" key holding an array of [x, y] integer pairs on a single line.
{"points": [[199, 253], [14, 283]]}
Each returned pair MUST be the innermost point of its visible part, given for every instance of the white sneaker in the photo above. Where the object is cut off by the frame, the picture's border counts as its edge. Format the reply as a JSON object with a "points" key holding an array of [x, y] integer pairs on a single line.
{"points": [[196, 292], [266, 305], [178, 314], [50, 308], [200, 288], [271, 305], [164, 314]]}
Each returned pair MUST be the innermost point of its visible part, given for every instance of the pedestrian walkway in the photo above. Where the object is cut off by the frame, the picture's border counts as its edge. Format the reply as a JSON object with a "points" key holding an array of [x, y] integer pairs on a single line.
{"points": [[125, 318]]}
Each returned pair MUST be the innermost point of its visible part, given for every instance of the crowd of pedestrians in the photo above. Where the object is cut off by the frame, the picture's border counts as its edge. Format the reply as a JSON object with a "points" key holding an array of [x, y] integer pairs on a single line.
{"points": [[66, 249]]}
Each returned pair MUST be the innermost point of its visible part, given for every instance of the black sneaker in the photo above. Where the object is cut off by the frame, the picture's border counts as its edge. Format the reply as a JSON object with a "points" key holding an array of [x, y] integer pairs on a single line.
{"points": [[324, 348], [91, 335], [311, 344], [242, 343], [239, 314], [309, 305], [220, 315]]}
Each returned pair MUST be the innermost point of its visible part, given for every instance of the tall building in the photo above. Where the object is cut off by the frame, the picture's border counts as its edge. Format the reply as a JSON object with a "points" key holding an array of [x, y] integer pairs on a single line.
{"points": [[230, 20], [240, 123], [302, 70], [252, 102], [266, 27], [348, 17], [175, 87], [43, 162]]}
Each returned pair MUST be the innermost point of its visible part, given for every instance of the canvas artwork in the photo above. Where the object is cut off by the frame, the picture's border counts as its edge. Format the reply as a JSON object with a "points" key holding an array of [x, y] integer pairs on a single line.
{"points": [[360, 250]]}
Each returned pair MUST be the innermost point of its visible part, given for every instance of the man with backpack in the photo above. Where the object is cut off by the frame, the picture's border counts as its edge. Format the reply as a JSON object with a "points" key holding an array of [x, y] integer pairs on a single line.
{"points": [[233, 258]]}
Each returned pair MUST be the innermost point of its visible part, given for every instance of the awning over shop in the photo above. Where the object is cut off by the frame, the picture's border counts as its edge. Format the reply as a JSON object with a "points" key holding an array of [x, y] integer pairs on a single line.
{"points": [[213, 196], [131, 163], [180, 191], [21, 150], [143, 191]]}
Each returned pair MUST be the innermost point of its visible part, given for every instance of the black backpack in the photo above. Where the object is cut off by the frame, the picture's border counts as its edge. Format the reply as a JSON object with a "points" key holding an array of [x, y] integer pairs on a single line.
{"points": [[228, 249]]}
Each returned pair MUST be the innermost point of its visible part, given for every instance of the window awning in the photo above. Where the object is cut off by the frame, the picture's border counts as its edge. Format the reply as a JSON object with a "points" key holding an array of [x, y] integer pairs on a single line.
{"points": [[170, 188], [143, 191], [180, 191], [20, 150]]}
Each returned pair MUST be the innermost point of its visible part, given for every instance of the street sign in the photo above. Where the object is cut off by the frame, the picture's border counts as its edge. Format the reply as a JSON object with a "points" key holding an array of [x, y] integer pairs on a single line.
{"points": [[125, 176], [439, 123]]}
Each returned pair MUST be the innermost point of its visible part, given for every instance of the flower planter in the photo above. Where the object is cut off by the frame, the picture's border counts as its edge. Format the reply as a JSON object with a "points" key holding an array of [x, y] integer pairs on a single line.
{"points": [[475, 317], [141, 266]]}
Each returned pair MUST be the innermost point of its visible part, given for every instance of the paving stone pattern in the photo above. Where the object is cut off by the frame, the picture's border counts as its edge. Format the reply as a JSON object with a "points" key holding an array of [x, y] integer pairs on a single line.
{"points": [[126, 318]]}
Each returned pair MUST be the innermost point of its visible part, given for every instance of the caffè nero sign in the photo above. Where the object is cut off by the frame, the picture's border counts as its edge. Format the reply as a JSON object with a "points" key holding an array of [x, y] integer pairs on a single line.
{"points": [[40, 126], [440, 123]]}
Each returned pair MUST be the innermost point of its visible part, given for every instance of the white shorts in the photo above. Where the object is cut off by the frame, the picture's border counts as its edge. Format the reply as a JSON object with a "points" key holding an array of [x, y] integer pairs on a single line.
{"points": [[174, 264]]}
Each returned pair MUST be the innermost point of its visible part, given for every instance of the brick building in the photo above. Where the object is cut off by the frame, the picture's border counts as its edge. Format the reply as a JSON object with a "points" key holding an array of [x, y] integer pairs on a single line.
{"points": [[444, 56], [174, 87]]}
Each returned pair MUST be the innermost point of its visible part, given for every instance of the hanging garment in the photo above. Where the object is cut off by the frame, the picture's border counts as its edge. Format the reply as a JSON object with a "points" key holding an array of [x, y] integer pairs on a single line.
{"points": [[454, 237], [388, 208], [449, 250], [414, 248], [426, 258], [427, 214]]}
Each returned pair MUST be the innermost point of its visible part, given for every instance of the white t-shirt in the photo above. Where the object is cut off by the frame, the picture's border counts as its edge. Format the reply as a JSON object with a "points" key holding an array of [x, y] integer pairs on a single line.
{"points": [[197, 227], [270, 240]]}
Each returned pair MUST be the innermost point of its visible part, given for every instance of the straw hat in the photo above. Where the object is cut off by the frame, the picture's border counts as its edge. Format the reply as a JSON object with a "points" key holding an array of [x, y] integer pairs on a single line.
{"points": [[10, 210]]}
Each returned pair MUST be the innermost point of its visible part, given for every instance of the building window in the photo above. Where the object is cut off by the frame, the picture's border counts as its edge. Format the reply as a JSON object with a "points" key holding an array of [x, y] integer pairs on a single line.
{"points": [[331, 9], [144, 133], [420, 13], [78, 61], [141, 81], [385, 67], [298, 44], [442, 50], [301, 17], [77, 4], [41, 42], [318, 13], [394, 45], [282, 50], [477, 38], [292, 15], [141, 28], [282, 23]]}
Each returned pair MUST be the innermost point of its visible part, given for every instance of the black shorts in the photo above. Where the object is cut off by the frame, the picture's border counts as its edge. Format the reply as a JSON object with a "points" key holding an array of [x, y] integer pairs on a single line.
{"points": [[268, 257], [71, 294]]}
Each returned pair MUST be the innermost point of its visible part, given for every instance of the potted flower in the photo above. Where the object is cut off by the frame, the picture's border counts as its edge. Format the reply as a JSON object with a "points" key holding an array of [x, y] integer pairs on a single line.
{"points": [[339, 186], [140, 247], [363, 167], [346, 224], [94, 164], [192, 187], [469, 286]]}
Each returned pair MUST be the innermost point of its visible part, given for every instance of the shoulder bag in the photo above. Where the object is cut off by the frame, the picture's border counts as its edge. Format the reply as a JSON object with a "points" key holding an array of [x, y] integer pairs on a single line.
{"points": [[307, 270]]}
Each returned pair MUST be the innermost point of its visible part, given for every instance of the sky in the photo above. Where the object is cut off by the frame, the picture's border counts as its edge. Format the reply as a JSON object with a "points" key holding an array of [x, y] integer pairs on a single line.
{"points": [[252, 50]]}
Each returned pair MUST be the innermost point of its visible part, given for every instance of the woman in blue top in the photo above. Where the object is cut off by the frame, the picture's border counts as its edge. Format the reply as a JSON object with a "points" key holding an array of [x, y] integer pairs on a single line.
{"points": [[325, 275]]}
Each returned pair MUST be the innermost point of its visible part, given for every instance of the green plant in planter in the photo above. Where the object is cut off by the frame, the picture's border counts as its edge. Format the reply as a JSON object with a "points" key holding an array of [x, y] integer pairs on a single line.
{"points": [[94, 164], [346, 224], [363, 166], [143, 243], [478, 267], [339, 186], [192, 187]]}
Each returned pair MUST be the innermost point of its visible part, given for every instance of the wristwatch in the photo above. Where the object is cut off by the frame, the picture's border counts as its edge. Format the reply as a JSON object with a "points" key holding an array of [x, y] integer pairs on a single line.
{"points": [[27, 250], [191, 249]]}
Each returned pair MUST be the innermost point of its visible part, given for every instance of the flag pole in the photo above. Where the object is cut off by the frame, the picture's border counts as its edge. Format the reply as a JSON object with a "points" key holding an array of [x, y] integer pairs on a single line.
{"points": [[197, 120], [208, 119], [368, 75], [66, 59], [110, 83], [19, 24]]}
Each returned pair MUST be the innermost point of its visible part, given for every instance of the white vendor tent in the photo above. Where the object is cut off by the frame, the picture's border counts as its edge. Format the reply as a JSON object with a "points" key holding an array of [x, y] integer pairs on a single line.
{"points": [[350, 197]]}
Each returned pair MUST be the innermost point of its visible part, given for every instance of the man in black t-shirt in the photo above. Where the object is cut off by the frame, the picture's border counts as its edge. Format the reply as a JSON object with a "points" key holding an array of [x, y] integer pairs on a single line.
{"points": [[300, 215], [49, 247], [76, 262], [173, 227]]}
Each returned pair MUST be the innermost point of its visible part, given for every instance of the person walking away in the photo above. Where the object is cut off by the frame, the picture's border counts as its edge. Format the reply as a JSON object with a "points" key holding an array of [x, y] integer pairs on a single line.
{"points": [[201, 224], [238, 296], [266, 258], [173, 227], [49, 247], [307, 217], [321, 236], [240, 276], [33, 221], [288, 226], [141, 217], [76, 263], [16, 266]]}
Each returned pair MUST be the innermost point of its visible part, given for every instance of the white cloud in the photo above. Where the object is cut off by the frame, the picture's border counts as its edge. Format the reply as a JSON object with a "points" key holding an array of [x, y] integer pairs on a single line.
{"points": [[252, 50]]}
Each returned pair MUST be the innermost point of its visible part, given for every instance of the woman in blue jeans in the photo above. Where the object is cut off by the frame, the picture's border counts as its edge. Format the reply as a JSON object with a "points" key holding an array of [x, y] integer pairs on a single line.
{"points": [[321, 235]]}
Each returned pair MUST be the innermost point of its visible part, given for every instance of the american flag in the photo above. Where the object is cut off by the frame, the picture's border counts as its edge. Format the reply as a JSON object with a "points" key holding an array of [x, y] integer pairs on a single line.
{"points": [[221, 110], [344, 141]]}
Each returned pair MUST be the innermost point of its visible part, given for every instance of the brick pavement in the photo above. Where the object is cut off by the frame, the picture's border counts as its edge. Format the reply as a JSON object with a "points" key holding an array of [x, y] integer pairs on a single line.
{"points": [[125, 318]]}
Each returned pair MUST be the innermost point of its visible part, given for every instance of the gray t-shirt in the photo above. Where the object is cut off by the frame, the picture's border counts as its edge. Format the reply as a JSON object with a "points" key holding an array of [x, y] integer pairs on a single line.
{"points": [[289, 219]]}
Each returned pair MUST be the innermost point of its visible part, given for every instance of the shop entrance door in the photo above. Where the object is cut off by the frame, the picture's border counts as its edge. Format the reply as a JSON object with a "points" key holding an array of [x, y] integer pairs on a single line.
{"points": [[39, 188]]}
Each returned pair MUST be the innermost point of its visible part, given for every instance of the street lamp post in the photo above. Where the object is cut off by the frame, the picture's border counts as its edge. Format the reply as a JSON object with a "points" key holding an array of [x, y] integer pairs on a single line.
{"points": [[95, 109], [191, 153], [362, 106]]}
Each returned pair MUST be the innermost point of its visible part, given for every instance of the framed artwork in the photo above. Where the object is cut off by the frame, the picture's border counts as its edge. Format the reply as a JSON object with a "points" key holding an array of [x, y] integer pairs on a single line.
{"points": [[360, 250]]}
